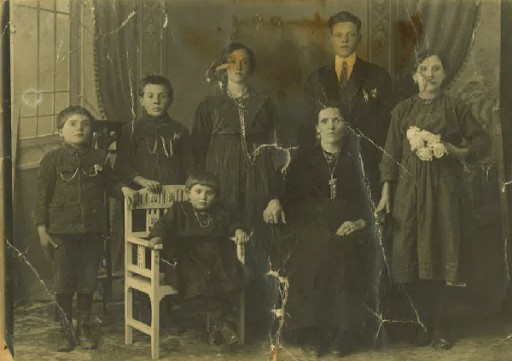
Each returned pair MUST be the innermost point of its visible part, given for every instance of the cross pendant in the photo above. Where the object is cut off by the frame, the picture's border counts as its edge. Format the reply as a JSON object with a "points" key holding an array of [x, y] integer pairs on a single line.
{"points": [[332, 188]]}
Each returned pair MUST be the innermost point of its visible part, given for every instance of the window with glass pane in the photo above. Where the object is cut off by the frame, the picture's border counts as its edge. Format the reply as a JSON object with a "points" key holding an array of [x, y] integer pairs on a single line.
{"points": [[40, 64]]}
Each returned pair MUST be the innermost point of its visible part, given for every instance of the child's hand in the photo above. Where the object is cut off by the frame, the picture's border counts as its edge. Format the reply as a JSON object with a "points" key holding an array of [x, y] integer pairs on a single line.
{"points": [[155, 241], [44, 238], [240, 236], [151, 185], [131, 197], [349, 227]]}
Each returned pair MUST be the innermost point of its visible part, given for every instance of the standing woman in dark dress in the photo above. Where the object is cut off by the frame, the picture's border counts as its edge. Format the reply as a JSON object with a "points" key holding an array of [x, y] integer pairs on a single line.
{"points": [[230, 127], [325, 204], [430, 136]]}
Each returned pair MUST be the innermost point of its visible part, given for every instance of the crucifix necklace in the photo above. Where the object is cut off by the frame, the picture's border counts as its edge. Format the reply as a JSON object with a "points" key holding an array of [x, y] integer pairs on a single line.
{"points": [[332, 162]]}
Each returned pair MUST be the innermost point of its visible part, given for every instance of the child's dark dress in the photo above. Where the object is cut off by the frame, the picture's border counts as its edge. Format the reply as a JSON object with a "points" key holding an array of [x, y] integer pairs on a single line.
{"points": [[206, 256]]}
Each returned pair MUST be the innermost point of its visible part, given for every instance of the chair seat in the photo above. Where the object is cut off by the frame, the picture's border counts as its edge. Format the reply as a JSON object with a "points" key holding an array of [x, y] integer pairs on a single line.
{"points": [[143, 284]]}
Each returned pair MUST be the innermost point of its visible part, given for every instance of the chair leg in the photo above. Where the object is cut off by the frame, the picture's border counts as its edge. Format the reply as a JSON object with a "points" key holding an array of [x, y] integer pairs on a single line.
{"points": [[128, 315], [241, 319], [155, 328]]}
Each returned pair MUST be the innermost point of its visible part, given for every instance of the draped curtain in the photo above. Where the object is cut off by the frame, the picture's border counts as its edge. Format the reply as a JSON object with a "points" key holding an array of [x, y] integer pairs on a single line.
{"points": [[116, 47], [447, 25]]}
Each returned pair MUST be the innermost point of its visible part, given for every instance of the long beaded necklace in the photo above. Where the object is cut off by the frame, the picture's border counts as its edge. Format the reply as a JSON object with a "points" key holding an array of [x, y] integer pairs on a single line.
{"points": [[205, 225], [168, 153], [332, 162], [241, 105]]}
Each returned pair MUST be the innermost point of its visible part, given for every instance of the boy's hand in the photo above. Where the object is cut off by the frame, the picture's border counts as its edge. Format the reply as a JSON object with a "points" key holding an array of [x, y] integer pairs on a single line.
{"points": [[155, 241], [44, 238], [349, 227], [151, 185], [240, 236], [131, 197]]}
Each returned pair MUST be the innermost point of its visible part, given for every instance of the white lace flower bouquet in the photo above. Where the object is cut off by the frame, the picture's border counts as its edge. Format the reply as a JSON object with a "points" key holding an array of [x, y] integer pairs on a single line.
{"points": [[426, 145]]}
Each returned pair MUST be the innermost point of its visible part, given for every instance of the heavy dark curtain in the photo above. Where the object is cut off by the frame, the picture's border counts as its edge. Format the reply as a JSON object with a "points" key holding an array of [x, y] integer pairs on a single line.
{"points": [[116, 57], [447, 25]]}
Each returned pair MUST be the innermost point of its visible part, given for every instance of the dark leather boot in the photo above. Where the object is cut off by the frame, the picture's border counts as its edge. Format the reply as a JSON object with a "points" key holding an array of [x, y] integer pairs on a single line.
{"points": [[83, 334], [64, 306]]}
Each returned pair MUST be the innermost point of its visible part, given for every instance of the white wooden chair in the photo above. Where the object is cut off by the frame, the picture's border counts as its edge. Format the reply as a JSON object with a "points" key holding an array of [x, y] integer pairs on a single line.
{"points": [[147, 277]]}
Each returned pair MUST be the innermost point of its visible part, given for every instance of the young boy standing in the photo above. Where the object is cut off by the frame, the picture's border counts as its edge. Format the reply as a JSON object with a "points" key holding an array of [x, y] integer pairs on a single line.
{"points": [[71, 218], [155, 149]]}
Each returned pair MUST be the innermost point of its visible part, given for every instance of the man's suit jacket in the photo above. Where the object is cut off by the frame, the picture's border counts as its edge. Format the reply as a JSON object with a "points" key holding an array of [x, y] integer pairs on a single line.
{"points": [[366, 101]]}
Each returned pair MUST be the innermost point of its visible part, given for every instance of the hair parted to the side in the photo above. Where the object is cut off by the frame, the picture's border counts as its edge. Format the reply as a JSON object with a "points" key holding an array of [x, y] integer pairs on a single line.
{"points": [[64, 115], [423, 54], [227, 51], [321, 105], [344, 17], [156, 80], [203, 178]]}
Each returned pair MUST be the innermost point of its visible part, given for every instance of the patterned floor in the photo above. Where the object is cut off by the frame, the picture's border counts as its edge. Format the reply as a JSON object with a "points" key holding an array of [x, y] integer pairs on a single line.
{"points": [[35, 334]]}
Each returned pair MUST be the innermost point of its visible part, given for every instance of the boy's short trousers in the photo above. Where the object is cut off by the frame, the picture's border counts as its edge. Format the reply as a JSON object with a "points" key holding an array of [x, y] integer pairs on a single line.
{"points": [[76, 262]]}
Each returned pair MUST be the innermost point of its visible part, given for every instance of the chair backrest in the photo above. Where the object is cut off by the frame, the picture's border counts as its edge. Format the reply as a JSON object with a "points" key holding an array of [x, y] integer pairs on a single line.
{"points": [[140, 220]]}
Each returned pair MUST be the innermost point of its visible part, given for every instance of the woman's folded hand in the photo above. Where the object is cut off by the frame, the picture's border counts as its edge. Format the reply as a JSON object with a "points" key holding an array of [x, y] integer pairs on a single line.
{"points": [[349, 227]]}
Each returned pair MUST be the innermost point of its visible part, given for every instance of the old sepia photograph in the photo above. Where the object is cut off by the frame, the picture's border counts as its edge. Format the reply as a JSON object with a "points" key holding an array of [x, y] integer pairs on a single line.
{"points": [[274, 180]]}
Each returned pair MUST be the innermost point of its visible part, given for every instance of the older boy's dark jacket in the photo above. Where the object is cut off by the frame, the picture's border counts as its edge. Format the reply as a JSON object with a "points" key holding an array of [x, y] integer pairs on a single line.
{"points": [[71, 186], [366, 102], [155, 148]]}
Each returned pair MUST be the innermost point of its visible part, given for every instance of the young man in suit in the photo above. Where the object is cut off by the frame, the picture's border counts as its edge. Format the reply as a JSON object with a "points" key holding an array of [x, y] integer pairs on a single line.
{"points": [[362, 89]]}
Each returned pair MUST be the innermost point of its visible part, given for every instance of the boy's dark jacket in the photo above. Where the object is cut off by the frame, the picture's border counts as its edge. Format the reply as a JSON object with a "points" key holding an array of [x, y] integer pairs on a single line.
{"points": [[141, 151], [71, 186]]}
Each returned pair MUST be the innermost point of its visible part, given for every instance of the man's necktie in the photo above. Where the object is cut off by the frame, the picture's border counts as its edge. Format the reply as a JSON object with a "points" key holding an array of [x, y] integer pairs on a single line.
{"points": [[344, 74]]}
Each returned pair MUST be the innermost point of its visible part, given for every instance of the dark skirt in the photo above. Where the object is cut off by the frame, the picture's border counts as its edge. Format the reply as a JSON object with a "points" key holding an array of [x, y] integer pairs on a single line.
{"points": [[245, 185], [316, 262], [207, 268]]}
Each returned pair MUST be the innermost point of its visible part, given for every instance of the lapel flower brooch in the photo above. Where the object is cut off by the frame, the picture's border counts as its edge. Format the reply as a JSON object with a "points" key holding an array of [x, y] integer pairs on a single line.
{"points": [[170, 152], [370, 94], [97, 168], [425, 144]]}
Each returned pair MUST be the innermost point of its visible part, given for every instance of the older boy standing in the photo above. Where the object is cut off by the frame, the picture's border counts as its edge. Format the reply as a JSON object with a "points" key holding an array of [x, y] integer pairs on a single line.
{"points": [[363, 90]]}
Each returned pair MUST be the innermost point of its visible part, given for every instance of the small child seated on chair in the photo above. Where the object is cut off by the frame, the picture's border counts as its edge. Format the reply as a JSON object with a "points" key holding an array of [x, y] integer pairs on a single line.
{"points": [[196, 238]]}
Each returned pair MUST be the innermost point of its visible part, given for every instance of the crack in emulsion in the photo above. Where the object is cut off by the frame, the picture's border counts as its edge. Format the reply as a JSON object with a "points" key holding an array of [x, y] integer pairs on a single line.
{"points": [[166, 20], [22, 258], [383, 321], [279, 313], [378, 236], [504, 186], [360, 134], [285, 150], [123, 24]]}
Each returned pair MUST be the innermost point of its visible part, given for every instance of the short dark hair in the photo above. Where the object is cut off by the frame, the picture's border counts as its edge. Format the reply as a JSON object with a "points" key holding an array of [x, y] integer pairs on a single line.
{"points": [[344, 17], [156, 80], [64, 115], [203, 178], [421, 55]]}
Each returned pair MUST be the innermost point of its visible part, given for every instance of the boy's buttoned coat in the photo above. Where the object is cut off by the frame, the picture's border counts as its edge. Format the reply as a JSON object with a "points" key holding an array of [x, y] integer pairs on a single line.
{"points": [[71, 186]]}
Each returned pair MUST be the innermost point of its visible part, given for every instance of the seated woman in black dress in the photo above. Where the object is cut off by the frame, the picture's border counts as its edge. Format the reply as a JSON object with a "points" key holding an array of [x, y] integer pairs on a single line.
{"points": [[326, 215]]}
